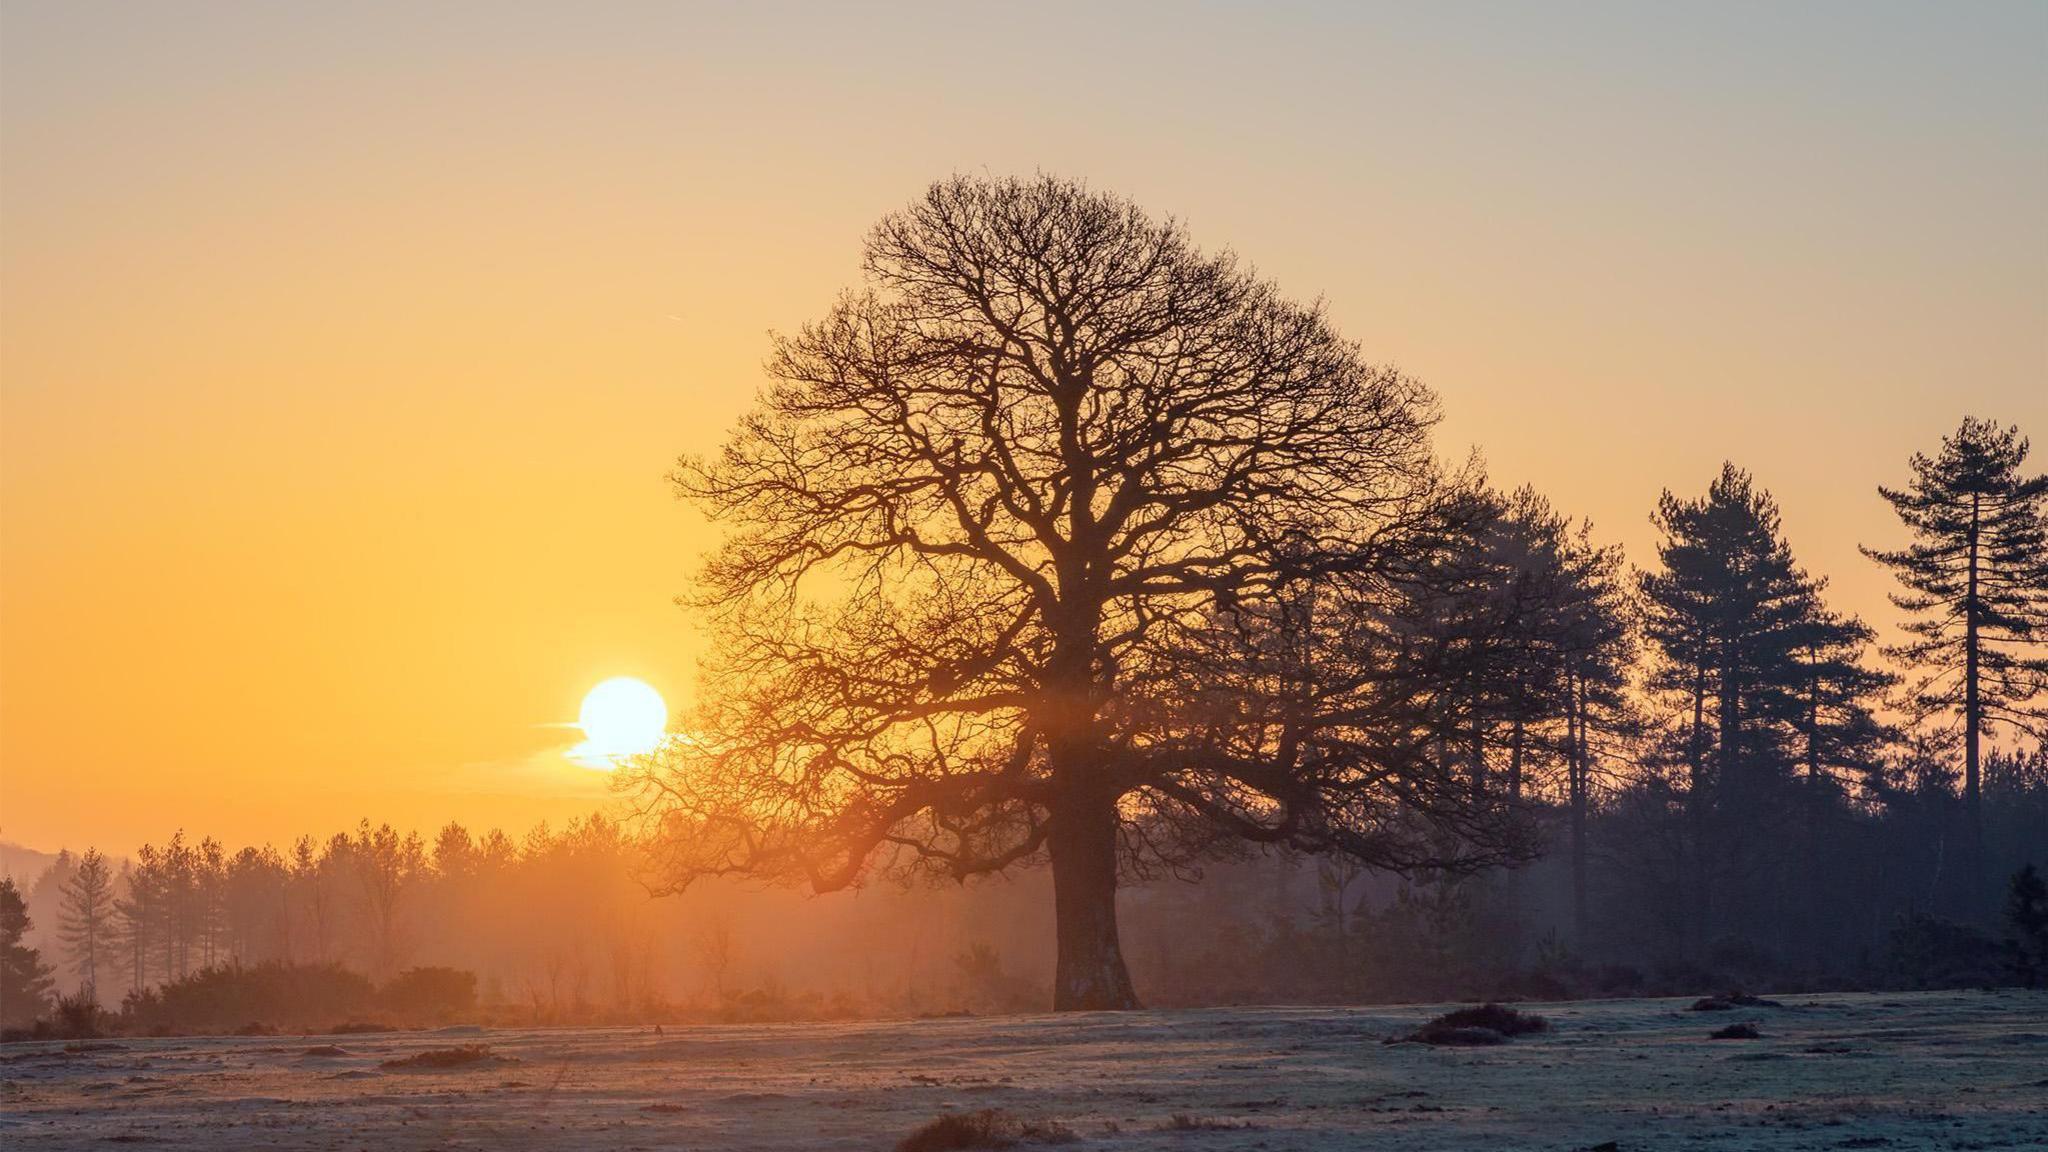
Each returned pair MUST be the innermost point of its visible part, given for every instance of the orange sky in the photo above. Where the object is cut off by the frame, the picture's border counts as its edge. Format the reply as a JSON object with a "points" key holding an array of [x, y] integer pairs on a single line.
{"points": [[342, 351]]}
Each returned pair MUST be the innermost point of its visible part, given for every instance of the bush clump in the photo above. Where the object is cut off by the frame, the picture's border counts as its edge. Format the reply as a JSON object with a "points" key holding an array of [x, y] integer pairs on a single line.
{"points": [[430, 995], [79, 1016], [229, 997], [987, 1128], [466, 1056], [1743, 1031], [1485, 1024], [1184, 1122], [1730, 1002]]}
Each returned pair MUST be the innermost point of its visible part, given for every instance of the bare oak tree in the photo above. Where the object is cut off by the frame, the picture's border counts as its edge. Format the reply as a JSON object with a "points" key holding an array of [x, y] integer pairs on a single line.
{"points": [[1063, 541]]}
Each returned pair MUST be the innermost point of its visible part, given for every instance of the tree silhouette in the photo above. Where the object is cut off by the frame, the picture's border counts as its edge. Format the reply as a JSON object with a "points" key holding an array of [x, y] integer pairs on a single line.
{"points": [[1976, 578], [136, 915], [86, 926], [386, 867], [25, 985], [1730, 613], [1067, 541], [1595, 648]]}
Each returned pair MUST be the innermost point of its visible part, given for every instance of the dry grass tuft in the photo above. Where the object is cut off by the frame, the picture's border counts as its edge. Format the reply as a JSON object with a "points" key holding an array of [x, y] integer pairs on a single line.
{"points": [[467, 1056], [1183, 1122], [360, 1028], [1730, 1002], [987, 1128]]}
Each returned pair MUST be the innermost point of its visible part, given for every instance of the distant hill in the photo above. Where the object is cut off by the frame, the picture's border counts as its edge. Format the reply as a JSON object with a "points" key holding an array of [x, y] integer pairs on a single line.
{"points": [[23, 865]]}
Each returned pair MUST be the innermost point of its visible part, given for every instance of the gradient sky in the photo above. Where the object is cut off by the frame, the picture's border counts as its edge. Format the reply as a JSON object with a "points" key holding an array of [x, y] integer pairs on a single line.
{"points": [[343, 348]]}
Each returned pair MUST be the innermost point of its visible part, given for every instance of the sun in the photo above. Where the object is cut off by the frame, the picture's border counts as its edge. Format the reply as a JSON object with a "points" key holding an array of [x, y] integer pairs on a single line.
{"points": [[621, 717]]}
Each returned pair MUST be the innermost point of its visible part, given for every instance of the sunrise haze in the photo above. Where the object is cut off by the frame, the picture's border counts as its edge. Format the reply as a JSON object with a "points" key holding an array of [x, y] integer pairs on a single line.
{"points": [[343, 351]]}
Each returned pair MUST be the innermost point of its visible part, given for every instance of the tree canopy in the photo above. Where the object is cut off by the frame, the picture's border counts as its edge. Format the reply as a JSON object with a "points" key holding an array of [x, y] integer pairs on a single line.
{"points": [[1976, 589], [1065, 539]]}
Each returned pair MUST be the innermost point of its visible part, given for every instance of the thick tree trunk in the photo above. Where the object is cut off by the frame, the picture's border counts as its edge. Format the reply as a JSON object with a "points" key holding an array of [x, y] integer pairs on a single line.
{"points": [[1091, 976]]}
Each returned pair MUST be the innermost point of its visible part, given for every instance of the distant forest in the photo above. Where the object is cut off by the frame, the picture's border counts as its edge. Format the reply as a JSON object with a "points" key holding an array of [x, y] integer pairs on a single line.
{"points": [[1718, 780]]}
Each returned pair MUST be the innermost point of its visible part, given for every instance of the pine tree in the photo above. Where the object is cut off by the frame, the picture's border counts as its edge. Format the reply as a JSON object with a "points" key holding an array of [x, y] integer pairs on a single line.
{"points": [[25, 985], [1744, 635], [1976, 578], [86, 926], [1596, 649], [1831, 706], [1559, 690], [137, 910]]}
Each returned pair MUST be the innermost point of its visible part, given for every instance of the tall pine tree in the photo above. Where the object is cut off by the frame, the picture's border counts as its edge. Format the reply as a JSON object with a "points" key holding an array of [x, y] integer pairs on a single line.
{"points": [[87, 923], [1764, 676], [1596, 649], [1976, 585]]}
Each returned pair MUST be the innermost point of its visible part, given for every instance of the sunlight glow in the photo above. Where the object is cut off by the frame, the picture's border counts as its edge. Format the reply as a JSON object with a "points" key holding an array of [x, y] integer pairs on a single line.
{"points": [[621, 718]]}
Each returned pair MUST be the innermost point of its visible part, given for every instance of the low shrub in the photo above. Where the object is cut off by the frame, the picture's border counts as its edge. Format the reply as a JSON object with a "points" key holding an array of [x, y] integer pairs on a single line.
{"points": [[1730, 1002], [1929, 952], [1183, 1122], [466, 1056], [360, 1027], [1485, 1024], [429, 995], [987, 1128], [229, 997], [78, 1016]]}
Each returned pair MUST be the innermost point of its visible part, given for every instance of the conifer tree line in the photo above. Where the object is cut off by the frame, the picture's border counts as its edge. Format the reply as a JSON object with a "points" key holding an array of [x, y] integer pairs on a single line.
{"points": [[376, 900], [1707, 766]]}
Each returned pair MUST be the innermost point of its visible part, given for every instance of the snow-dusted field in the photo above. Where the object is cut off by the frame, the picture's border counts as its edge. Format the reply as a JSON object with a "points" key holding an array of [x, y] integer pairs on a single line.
{"points": [[1935, 1070]]}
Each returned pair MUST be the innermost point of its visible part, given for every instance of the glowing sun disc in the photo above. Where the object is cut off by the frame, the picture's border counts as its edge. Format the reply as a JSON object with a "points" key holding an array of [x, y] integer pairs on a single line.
{"points": [[621, 717]]}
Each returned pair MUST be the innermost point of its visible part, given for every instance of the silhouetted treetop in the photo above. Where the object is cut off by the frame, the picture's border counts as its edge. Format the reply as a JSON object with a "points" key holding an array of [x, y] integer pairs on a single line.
{"points": [[1050, 463], [1976, 580]]}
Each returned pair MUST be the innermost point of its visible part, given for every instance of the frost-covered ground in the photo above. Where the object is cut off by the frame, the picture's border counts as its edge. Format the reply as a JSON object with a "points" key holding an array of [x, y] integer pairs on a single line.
{"points": [[1935, 1070]]}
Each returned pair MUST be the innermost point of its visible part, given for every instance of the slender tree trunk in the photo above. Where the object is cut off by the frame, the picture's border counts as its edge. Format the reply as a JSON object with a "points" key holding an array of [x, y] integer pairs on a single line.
{"points": [[1515, 739], [1728, 712], [1091, 975], [1478, 747], [1696, 814], [1577, 767], [1732, 817], [1973, 724], [1814, 910]]}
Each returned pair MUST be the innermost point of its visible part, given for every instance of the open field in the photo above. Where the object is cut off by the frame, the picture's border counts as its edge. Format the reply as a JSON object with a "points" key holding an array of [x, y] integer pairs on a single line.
{"points": [[1922, 1070]]}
